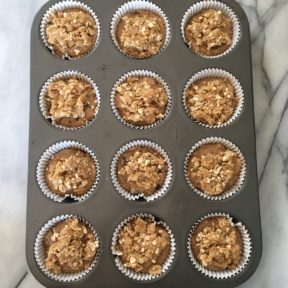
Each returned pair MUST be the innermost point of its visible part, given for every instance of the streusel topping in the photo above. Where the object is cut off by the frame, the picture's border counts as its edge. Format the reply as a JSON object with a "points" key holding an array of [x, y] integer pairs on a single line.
{"points": [[141, 34], [141, 101], [71, 102], [213, 168], [211, 101], [217, 244], [72, 32], [70, 171], [209, 32], [144, 245], [141, 170], [70, 247]]}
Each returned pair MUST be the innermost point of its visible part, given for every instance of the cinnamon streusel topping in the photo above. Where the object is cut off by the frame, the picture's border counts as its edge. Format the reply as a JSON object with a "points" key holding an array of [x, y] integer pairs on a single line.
{"points": [[70, 247], [70, 171], [141, 101], [144, 245], [72, 32], [213, 168], [71, 103], [216, 244], [211, 101], [141, 34], [209, 32]]}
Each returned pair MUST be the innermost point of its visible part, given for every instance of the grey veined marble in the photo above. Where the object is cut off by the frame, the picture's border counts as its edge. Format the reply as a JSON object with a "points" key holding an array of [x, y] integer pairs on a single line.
{"points": [[269, 32]]}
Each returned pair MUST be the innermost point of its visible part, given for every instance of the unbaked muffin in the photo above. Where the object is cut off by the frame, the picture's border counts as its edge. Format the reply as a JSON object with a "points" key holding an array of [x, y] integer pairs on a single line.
{"points": [[70, 247], [144, 245], [70, 171], [141, 170], [213, 168], [211, 101], [141, 101], [141, 33], [209, 32], [71, 32], [70, 102], [216, 244]]}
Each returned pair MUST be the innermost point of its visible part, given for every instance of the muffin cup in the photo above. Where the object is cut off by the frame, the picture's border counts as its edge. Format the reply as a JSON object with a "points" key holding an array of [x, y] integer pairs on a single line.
{"points": [[247, 250], [144, 143], [138, 275], [43, 162], [40, 255], [229, 145], [66, 76], [140, 73], [61, 6], [217, 73], [219, 6], [130, 7]]}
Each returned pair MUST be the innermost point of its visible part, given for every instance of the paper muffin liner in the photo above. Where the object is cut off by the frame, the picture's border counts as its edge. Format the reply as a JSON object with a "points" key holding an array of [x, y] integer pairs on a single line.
{"points": [[247, 250], [130, 7], [66, 75], [217, 73], [160, 192], [140, 276], [215, 5], [61, 6], [141, 73], [229, 145], [43, 162], [40, 254]]}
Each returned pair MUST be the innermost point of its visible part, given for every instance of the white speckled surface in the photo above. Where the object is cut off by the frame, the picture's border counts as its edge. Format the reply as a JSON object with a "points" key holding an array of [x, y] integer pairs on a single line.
{"points": [[269, 24]]}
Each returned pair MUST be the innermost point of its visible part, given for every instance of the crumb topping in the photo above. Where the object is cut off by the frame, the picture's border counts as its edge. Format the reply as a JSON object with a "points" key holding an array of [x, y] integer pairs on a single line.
{"points": [[141, 100], [217, 244], [145, 245], [70, 171], [209, 32], [213, 168], [70, 247], [211, 101], [141, 170], [71, 102], [72, 32], [141, 34]]}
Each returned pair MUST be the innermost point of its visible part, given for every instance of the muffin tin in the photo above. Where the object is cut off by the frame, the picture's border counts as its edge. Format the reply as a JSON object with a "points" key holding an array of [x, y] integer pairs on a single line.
{"points": [[180, 207]]}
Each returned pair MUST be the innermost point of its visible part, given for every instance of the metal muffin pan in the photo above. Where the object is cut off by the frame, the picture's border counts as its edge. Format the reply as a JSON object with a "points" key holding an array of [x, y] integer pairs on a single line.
{"points": [[179, 207]]}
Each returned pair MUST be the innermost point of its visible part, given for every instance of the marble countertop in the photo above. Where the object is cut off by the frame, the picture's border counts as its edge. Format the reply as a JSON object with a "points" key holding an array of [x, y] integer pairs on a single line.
{"points": [[268, 22]]}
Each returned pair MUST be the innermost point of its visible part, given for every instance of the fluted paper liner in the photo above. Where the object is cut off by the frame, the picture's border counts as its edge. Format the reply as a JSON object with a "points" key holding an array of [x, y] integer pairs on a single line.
{"points": [[140, 73], [43, 162], [138, 275], [61, 6], [219, 6], [229, 145], [66, 75], [40, 253], [246, 255], [217, 73], [131, 7], [143, 143]]}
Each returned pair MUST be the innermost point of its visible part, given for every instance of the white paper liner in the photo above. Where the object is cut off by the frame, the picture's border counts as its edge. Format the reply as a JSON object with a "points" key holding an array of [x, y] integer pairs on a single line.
{"points": [[131, 7], [61, 6], [219, 6], [140, 73], [229, 145], [217, 73], [160, 192], [129, 272], [40, 255], [247, 250], [43, 162], [66, 75]]}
